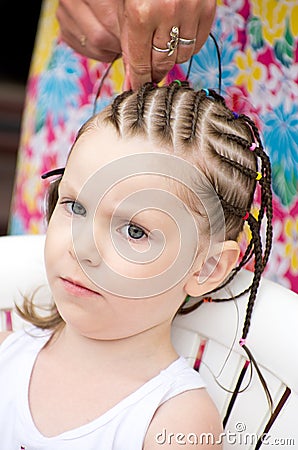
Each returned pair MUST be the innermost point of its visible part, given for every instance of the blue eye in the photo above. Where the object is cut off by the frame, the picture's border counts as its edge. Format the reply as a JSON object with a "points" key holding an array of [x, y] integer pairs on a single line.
{"points": [[133, 232], [74, 208]]}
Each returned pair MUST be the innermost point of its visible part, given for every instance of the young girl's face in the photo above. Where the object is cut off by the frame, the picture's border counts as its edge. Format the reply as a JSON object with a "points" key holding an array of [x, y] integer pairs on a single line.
{"points": [[120, 245]]}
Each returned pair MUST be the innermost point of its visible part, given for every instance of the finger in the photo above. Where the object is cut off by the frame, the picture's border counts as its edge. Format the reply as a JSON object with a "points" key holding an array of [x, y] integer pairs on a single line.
{"points": [[189, 13], [164, 59], [85, 34], [141, 27], [106, 13], [205, 23], [136, 51]]}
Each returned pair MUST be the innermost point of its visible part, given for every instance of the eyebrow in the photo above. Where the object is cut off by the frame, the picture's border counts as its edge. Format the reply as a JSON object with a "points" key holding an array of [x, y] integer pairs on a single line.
{"points": [[65, 184]]}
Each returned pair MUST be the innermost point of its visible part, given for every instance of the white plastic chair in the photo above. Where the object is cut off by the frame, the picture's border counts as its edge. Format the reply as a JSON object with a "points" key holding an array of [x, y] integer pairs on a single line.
{"points": [[207, 337]]}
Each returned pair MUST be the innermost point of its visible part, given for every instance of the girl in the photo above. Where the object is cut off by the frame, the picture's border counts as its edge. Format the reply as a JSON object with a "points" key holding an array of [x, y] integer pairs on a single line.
{"points": [[145, 215]]}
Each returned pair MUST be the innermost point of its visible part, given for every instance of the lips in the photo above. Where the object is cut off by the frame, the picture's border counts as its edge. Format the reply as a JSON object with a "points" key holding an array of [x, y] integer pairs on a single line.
{"points": [[77, 288]]}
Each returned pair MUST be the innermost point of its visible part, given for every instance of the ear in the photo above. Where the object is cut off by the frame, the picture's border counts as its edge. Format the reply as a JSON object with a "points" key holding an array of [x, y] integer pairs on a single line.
{"points": [[214, 270]]}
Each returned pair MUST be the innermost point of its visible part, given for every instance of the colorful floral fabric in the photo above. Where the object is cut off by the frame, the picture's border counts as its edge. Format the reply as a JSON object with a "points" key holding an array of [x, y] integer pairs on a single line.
{"points": [[259, 57]]}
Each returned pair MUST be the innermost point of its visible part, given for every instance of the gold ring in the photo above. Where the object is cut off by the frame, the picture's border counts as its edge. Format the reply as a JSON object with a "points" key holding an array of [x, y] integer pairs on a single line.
{"points": [[172, 44], [83, 40]]}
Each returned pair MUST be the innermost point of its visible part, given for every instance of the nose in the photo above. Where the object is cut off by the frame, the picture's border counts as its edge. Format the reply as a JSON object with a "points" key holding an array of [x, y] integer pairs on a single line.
{"points": [[82, 247]]}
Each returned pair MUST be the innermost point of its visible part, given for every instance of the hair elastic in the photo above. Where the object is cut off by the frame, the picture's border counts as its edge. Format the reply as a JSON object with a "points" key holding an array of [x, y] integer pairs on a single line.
{"points": [[236, 115], [246, 216], [187, 298], [242, 342], [253, 146], [51, 173], [207, 299], [207, 91], [178, 82], [259, 176]]}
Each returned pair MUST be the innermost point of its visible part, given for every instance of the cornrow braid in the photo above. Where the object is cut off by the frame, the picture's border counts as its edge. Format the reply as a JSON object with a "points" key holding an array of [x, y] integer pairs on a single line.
{"points": [[265, 182], [170, 93], [254, 248], [196, 108], [258, 270], [252, 289], [141, 101], [219, 98], [114, 116], [266, 200], [245, 170], [266, 194], [188, 120], [224, 146]]}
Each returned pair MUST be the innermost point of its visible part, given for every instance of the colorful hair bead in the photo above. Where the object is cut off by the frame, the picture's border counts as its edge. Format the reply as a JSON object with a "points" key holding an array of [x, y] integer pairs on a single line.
{"points": [[259, 176], [178, 82], [207, 299], [246, 216], [207, 91], [236, 115], [253, 146], [242, 342], [187, 298]]}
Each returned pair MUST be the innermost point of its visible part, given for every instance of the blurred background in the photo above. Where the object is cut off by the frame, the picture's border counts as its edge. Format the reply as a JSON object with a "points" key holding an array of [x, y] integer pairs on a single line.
{"points": [[17, 41]]}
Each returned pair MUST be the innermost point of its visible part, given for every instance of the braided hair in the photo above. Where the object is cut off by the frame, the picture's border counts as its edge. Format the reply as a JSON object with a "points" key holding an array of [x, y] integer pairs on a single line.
{"points": [[225, 146], [199, 126]]}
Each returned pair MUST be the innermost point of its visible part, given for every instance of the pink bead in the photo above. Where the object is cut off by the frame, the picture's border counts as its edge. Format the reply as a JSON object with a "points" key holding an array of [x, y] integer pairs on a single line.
{"points": [[242, 342], [253, 146]]}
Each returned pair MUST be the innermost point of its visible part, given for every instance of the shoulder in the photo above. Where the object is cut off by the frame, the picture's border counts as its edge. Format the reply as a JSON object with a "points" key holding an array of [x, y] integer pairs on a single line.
{"points": [[190, 420], [4, 335]]}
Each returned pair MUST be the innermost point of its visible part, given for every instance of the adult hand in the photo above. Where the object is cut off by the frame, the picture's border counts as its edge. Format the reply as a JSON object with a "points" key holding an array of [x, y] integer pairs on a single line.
{"points": [[91, 27], [149, 22], [103, 29]]}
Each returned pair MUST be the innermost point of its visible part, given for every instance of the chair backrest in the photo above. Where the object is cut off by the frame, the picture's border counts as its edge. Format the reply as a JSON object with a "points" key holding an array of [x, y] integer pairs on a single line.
{"points": [[211, 336], [208, 338], [22, 273]]}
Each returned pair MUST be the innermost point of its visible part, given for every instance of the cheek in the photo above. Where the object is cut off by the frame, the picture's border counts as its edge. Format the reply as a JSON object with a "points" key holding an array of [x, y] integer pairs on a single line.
{"points": [[50, 251], [55, 243], [140, 260]]}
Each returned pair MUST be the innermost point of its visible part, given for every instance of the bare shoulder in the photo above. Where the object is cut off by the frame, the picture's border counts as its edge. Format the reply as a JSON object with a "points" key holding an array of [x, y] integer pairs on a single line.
{"points": [[3, 335], [190, 420]]}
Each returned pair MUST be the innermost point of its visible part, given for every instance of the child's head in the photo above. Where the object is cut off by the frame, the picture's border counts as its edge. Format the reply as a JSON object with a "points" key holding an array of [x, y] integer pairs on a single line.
{"points": [[162, 175]]}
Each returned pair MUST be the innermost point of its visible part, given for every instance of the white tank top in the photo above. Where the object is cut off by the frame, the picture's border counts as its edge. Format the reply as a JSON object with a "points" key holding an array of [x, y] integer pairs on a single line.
{"points": [[122, 427]]}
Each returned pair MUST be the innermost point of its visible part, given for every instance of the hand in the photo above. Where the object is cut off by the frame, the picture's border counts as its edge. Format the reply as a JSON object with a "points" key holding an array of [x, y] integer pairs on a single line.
{"points": [[91, 27], [103, 29], [147, 22]]}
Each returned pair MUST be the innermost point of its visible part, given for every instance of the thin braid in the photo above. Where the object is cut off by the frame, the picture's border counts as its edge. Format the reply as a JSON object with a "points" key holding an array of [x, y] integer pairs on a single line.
{"points": [[195, 113], [114, 117], [266, 194], [141, 101], [171, 90], [238, 139], [216, 96], [254, 226], [266, 203], [245, 170]]}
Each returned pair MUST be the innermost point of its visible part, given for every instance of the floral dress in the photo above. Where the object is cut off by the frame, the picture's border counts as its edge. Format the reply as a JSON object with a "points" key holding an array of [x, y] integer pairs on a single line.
{"points": [[259, 57]]}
